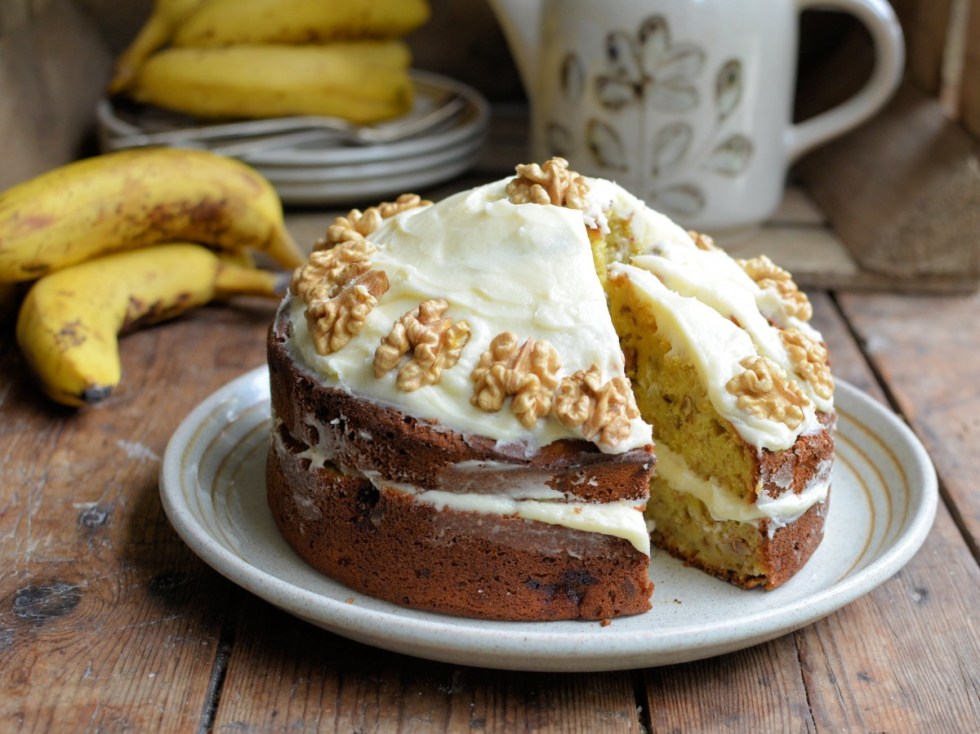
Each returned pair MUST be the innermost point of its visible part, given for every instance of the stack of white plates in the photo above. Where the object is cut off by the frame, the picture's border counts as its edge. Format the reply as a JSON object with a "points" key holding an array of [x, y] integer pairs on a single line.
{"points": [[312, 161]]}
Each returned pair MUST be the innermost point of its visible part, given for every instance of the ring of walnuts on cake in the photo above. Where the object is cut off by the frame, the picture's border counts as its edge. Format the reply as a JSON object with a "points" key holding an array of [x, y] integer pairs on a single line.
{"points": [[491, 405]]}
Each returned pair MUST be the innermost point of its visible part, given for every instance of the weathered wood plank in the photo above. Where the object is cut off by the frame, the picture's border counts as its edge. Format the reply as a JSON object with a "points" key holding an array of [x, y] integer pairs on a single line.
{"points": [[905, 657], [940, 397], [289, 676], [858, 659], [758, 689], [107, 619]]}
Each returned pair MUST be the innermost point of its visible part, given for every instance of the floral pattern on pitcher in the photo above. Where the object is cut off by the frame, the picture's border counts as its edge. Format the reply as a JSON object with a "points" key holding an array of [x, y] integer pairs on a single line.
{"points": [[647, 72]]}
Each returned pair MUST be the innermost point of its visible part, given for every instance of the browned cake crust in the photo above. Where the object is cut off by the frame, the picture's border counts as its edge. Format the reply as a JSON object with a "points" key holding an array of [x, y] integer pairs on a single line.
{"points": [[382, 543]]}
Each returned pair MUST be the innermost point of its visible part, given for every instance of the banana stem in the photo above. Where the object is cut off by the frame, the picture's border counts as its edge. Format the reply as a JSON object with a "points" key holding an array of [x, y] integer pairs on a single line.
{"points": [[283, 248], [235, 280]]}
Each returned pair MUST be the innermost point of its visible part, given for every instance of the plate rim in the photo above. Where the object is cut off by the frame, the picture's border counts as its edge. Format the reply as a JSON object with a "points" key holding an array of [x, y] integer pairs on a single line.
{"points": [[425, 636], [336, 193]]}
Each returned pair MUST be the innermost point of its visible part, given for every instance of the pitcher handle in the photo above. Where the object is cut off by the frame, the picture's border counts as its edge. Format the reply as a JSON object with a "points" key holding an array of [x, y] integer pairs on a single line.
{"points": [[886, 33]]}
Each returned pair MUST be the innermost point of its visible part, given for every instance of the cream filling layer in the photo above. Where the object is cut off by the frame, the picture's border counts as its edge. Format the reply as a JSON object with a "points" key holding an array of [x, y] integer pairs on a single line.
{"points": [[621, 519], [781, 511]]}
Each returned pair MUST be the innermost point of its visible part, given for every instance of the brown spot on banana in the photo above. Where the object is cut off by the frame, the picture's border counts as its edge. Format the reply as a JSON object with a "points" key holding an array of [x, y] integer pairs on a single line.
{"points": [[71, 335]]}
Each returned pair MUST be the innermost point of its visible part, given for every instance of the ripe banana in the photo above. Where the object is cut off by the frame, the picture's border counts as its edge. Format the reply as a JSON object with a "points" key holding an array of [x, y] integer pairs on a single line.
{"points": [[360, 81], [234, 22], [155, 33], [70, 320], [135, 198]]}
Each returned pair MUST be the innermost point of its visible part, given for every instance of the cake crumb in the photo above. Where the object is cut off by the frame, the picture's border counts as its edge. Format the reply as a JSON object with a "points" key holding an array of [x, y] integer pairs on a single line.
{"points": [[605, 622], [349, 600]]}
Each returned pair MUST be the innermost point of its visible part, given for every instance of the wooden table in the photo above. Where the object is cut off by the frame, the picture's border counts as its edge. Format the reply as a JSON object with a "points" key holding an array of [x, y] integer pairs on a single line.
{"points": [[108, 622]]}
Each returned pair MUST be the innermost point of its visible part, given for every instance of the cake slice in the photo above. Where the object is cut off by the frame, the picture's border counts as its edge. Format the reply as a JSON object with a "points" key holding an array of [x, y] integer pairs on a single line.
{"points": [[737, 385]]}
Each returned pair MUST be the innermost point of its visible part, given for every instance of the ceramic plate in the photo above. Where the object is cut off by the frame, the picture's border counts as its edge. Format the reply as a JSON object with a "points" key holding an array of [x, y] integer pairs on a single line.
{"points": [[312, 192], [374, 170], [883, 504]]}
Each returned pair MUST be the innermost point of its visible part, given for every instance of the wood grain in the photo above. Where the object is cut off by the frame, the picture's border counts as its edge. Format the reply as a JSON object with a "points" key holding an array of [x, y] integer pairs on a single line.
{"points": [[703, 697], [864, 672], [940, 397], [106, 617], [286, 676]]}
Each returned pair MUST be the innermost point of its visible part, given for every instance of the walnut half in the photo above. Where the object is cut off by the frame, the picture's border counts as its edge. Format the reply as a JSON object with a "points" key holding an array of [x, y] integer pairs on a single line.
{"points": [[702, 241], [763, 389], [435, 343], [334, 321], [810, 361], [550, 183], [357, 224], [768, 275], [528, 372], [327, 271], [602, 411]]}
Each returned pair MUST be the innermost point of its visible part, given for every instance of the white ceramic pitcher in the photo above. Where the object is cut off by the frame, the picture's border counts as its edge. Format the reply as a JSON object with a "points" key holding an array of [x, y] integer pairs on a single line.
{"points": [[688, 104]]}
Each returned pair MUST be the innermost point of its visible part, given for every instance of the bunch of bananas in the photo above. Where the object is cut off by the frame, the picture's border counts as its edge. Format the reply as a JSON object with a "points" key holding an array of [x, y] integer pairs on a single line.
{"points": [[270, 58], [113, 242]]}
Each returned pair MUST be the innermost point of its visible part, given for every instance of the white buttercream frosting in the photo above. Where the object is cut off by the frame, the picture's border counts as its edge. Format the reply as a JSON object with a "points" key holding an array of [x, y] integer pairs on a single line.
{"points": [[523, 268]]}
